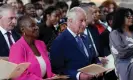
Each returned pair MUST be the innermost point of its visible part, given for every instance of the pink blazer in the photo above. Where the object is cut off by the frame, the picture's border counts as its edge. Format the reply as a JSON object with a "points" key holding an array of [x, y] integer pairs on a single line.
{"points": [[21, 52]]}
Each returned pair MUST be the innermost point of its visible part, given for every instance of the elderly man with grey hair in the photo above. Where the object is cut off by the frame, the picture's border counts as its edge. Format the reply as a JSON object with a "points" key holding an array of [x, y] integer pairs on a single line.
{"points": [[8, 36], [70, 50]]}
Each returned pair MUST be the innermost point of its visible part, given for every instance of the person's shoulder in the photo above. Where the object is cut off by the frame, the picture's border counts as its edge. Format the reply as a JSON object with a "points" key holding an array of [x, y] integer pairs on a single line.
{"points": [[16, 33], [61, 36], [114, 32], [18, 44], [41, 24], [39, 41]]}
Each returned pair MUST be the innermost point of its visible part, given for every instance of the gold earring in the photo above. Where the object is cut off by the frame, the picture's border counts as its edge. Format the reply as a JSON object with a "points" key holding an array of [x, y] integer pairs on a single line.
{"points": [[24, 33]]}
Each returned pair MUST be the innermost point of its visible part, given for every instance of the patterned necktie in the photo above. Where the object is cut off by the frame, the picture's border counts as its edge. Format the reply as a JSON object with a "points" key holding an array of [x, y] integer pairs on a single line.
{"points": [[9, 38], [80, 42], [81, 45]]}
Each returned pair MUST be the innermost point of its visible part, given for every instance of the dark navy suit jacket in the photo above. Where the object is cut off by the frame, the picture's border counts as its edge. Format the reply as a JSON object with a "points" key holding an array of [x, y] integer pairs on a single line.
{"points": [[66, 57], [96, 37], [4, 49]]}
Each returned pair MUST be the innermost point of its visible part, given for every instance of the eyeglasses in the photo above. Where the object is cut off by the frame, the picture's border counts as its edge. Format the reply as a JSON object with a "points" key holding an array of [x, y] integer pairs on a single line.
{"points": [[129, 16]]}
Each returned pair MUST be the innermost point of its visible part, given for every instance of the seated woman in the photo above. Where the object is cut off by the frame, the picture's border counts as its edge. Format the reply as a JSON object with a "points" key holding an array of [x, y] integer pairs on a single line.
{"points": [[29, 49], [47, 31], [121, 43]]}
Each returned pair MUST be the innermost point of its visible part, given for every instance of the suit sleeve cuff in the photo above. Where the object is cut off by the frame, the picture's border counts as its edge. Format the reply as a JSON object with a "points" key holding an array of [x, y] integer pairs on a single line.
{"points": [[77, 76]]}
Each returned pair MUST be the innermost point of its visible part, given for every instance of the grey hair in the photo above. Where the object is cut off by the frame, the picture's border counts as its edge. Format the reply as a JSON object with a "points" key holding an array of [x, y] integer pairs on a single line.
{"points": [[87, 9], [4, 8], [72, 14]]}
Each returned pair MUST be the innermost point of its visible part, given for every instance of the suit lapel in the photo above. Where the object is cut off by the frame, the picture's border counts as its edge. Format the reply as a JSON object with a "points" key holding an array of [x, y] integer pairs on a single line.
{"points": [[15, 36], [87, 45], [3, 41], [73, 41]]}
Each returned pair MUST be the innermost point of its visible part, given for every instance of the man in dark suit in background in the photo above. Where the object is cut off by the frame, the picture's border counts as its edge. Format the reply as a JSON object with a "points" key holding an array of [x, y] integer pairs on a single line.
{"points": [[104, 37], [70, 50], [100, 41], [8, 36], [91, 31]]}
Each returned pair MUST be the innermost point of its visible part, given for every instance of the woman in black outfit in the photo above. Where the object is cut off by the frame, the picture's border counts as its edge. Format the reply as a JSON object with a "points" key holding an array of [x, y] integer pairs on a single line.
{"points": [[47, 29]]}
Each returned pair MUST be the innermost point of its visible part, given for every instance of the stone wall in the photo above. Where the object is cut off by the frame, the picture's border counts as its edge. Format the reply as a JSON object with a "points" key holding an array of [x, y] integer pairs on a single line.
{"points": [[126, 3]]}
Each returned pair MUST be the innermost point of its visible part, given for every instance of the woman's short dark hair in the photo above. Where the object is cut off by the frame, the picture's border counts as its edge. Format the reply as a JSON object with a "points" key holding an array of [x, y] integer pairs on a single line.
{"points": [[47, 11], [61, 4], [74, 3], [119, 18], [38, 6], [23, 21]]}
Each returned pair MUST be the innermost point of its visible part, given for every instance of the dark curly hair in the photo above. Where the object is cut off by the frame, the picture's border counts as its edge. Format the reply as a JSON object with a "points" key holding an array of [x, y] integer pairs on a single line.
{"points": [[61, 4], [119, 18], [49, 11]]}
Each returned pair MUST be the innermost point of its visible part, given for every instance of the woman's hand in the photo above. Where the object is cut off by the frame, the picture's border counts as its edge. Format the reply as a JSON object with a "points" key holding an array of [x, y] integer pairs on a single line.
{"points": [[104, 60]]}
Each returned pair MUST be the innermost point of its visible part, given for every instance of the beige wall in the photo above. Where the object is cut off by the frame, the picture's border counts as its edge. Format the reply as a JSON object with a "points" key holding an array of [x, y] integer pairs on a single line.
{"points": [[26, 1], [121, 3]]}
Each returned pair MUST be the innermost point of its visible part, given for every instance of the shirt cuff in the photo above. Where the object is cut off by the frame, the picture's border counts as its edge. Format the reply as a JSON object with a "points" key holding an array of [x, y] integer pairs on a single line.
{"points": [[77, 76]]}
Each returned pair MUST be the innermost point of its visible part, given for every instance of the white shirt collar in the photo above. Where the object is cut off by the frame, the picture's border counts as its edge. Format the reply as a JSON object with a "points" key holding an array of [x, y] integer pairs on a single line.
{"points": [[3, 31], [85, 32], [106, 24], [74, 35], [109, 28]]}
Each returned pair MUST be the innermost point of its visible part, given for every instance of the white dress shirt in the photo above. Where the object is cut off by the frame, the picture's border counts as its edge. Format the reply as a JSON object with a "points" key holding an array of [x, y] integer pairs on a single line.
{"points": [[3, 31], [109, 28], [42, 65], [74, 35]]}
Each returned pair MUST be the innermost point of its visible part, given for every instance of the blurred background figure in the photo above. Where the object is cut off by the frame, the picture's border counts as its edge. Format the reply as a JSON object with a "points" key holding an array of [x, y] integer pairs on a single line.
{"points": [[74, 3], [12, 3], [110, 5], [29, 10], [47, 30], [104, 37], [20, 9], [18, 5], [97, 21], [63, 7], [106, 7], [39, 12], [42, 3]]}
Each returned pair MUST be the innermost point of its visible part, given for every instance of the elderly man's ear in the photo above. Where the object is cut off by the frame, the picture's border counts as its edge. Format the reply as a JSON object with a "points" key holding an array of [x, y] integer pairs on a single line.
{"points": [[69, 20]]}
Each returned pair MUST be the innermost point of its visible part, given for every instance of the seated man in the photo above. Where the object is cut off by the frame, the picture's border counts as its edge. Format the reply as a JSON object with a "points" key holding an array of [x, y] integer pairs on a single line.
{"points": [[70, 50], [8, 36]]}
